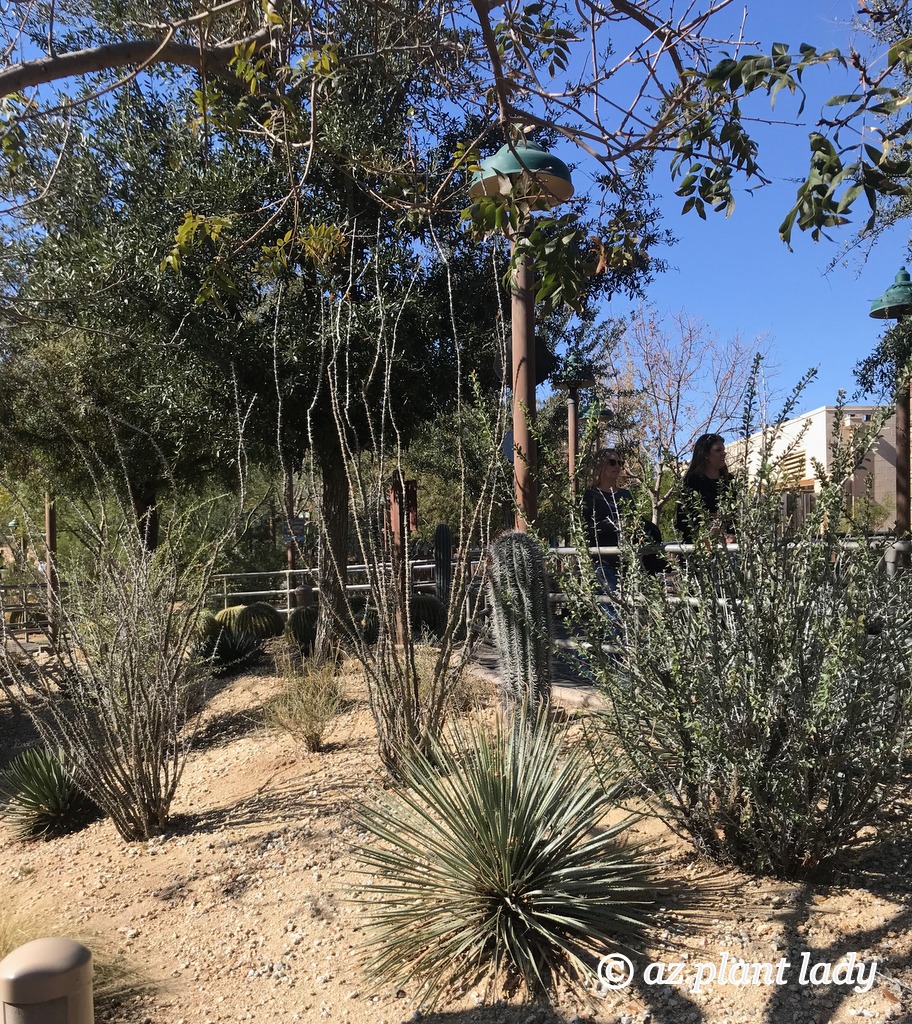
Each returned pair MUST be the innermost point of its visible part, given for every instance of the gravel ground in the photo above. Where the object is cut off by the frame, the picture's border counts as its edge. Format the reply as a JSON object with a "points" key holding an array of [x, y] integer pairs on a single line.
{"points": [[244, 911]]}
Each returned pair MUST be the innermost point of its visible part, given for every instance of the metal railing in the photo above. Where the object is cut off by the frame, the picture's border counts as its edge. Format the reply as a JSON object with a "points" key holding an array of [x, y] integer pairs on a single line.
{"points": [[26, 612], [421, 580]]}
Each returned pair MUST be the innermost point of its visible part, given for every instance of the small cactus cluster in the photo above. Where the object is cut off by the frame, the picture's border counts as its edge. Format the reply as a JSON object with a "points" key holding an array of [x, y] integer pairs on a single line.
{"points": [[224, 643], [429, 615], [521, 624]]}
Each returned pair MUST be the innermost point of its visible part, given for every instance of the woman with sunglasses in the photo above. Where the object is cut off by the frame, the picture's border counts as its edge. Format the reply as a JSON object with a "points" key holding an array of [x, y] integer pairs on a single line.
{"points": [[603, 509]]}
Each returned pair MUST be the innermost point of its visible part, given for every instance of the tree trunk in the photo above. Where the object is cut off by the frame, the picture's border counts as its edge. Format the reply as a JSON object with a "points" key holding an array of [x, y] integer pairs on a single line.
{"points": [[333, 553]]}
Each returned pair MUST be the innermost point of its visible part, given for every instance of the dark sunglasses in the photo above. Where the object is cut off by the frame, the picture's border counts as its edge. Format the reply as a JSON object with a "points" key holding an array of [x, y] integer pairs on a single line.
{"points": [[614, 462]]}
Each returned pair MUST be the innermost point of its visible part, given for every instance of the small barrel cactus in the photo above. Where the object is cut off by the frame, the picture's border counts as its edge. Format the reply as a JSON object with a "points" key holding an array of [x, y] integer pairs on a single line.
{"points": [[443, 563], [208, 627], [521, 622], [428, 615], [259, 620], [301, 628]]}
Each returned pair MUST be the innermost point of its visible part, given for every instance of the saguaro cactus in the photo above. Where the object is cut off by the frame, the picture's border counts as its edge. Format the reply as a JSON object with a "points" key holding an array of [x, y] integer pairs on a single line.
{"points": [[443, 563], [521, 623]]}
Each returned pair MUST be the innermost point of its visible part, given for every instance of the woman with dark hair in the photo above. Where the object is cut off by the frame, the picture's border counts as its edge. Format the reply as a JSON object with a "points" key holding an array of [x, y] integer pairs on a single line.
{"points": [[603, 510], [705, 482]]}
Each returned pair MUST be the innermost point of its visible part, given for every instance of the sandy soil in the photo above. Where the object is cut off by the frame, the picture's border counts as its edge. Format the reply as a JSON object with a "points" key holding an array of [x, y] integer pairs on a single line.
{"points": [[244, 911]]}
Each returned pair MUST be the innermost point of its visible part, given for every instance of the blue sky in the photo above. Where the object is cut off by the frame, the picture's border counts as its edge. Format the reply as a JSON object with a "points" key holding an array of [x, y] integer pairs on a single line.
{"points": [[738, 277]]}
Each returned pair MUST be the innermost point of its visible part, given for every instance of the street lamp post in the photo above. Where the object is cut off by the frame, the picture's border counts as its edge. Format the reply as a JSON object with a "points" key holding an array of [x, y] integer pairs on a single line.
{"points": [[896, 304], [549, 180]]}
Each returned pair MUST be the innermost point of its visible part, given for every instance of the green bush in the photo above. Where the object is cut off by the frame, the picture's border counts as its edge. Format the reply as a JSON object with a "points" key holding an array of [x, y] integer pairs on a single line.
{"points": [[769, 705], [41, 800], [493, 860], [113, 979]]}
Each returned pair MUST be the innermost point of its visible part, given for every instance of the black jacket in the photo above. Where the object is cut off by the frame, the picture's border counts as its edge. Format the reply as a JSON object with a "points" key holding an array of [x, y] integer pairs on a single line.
{"points": [[699, 504], [602, 515]]}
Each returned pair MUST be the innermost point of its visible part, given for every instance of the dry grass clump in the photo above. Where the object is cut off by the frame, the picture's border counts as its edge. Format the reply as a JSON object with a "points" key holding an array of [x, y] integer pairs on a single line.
{"points": [[114, 980], [309, 700], [465, 690]]}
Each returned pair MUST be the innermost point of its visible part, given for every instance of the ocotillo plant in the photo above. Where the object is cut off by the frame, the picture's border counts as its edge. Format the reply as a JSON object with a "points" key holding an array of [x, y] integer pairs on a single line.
{"points": [[443, 563], [521, 622]]}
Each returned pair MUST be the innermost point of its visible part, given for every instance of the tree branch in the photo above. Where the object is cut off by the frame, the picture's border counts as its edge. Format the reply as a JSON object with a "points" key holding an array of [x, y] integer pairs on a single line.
{"points": [[213, 60]]}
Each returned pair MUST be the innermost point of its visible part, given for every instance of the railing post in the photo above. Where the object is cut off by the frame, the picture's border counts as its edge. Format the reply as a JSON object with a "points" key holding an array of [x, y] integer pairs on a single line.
{"points": [[47, 981]]}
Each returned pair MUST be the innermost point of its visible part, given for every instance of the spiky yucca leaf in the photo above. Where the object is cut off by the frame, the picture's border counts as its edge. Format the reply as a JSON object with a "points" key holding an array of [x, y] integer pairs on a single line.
{"points": [[229, 650], [41, 799], [496, 862]]}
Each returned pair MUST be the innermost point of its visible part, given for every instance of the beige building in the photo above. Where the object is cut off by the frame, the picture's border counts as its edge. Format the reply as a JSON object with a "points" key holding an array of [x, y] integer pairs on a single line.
{"points": [[806, 439]]}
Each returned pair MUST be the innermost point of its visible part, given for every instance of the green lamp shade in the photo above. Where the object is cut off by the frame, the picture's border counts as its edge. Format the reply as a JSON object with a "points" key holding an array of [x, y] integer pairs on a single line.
{"points": [[576, 372], [508, 164], [896, 301]]}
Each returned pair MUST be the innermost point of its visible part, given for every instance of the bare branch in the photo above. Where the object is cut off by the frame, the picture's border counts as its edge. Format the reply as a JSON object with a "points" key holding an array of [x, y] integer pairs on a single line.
{"points": [[213, 60]]}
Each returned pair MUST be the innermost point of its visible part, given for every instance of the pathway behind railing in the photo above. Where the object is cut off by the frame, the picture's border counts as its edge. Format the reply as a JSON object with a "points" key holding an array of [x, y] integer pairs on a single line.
{"points": [[25, 608]]}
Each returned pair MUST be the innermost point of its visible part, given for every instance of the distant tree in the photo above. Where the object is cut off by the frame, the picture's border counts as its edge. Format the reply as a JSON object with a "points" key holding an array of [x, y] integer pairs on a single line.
{"points": [[94, 336], [675, 380]]}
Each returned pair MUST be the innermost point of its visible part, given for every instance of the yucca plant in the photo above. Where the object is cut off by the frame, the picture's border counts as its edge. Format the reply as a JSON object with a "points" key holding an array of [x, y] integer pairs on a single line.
{"points": [[494, 861], [229, 650], [41, 800]]}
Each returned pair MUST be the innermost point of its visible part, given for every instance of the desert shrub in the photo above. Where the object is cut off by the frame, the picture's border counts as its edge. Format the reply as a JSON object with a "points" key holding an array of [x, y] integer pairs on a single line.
{"points": [[41, 800], [113, 979], [309, 700], [455, 688], [113, 691], [493, 861], [769, 705]]}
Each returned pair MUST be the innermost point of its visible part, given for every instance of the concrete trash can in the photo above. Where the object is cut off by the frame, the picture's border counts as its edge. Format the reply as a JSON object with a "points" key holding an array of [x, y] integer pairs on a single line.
{"points": [[47, 981]]}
